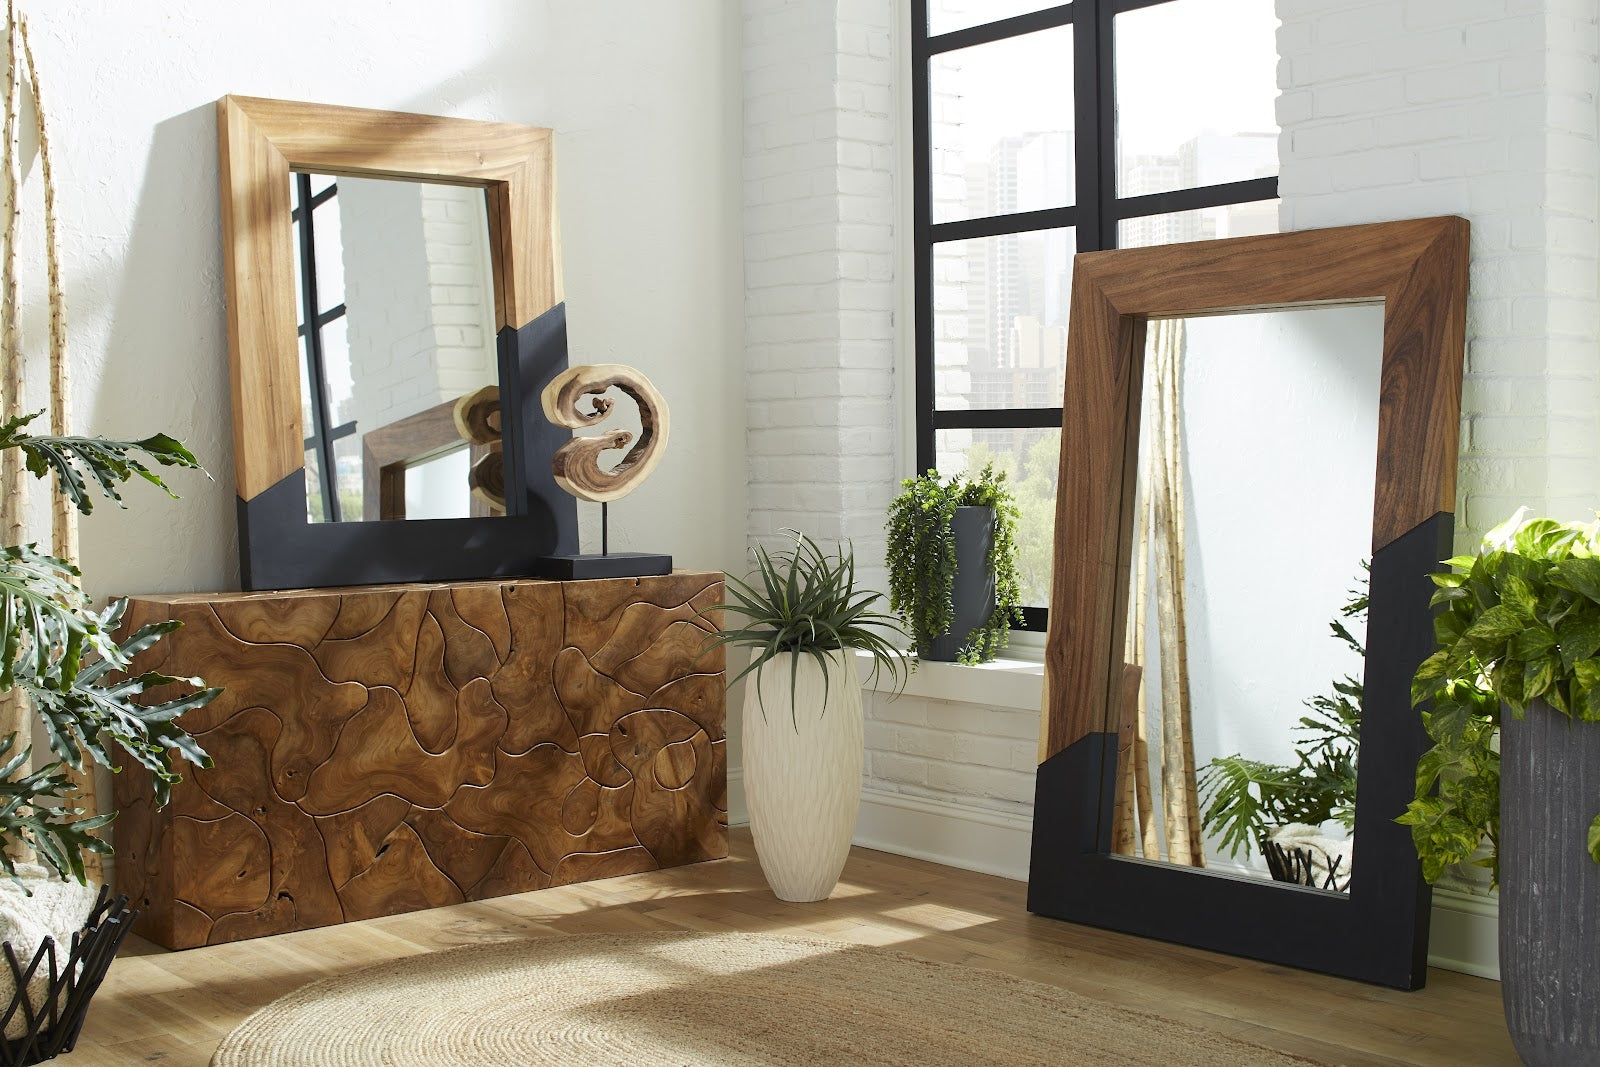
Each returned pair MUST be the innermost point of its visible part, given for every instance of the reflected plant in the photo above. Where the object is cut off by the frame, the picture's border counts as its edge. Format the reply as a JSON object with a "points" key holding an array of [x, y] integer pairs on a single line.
{"points": [[1246, 798]]}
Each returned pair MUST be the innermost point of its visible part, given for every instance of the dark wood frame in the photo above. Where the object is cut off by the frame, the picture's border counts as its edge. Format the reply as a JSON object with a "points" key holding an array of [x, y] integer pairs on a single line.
{"points": [[259, 143], [1378, 931]]}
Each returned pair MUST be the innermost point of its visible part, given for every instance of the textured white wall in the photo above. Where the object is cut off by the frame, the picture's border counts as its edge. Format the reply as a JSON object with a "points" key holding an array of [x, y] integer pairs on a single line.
{"points": [[1486, 110], [821, 251], [645, 101]]}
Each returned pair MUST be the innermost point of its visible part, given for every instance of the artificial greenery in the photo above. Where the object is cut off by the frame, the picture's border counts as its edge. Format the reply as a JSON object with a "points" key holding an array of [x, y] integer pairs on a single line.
{"points": [[805, 601], [62, 653], [1246, 798], [1520, 623], [922, 559]]}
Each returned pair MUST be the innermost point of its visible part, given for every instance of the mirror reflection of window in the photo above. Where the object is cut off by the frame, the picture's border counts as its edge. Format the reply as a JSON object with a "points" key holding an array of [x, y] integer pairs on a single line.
{"points": [[397, 323], [1251, 527]]}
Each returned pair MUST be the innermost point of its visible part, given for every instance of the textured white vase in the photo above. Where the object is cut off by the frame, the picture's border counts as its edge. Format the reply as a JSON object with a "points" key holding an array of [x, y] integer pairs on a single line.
{"points": [[802, 772]]}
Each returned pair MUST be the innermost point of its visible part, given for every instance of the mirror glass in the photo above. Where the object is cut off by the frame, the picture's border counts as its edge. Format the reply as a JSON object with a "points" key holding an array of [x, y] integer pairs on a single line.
{"points": [[399, 371], [1240, 693]]}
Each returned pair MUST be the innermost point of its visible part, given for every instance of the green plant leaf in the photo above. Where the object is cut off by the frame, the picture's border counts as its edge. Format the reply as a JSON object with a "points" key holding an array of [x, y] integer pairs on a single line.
{"points": [[109, 464], [805, 601], [1582, 576], [1594, 839], [1494, 628]]}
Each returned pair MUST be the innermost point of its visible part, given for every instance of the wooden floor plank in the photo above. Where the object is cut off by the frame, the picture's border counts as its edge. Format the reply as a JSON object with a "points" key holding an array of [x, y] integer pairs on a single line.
{"points": [[172, 1008]]}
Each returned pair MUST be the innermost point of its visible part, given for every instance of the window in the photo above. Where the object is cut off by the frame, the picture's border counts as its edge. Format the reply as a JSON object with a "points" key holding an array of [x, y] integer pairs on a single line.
{"points": [[325, 379], [1056, 130]]}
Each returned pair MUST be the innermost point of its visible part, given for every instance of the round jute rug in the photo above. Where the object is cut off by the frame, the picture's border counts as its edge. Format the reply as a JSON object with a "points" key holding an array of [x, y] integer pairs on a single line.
{"points": [[701, 999]]}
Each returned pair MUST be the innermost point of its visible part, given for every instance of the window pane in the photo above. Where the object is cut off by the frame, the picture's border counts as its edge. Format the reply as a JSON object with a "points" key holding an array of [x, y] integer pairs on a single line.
{"points": [[947, 16], [1234, 220], [1196, 81], [347, 476], [1000, 319], [1030, 457], [1002, 126], [336, 371], [325, 222], [313, 488], [307, 424]]}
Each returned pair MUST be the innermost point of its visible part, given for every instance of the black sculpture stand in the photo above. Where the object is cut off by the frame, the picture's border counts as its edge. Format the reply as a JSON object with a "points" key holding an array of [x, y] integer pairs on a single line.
{"points": [[605, 564]]}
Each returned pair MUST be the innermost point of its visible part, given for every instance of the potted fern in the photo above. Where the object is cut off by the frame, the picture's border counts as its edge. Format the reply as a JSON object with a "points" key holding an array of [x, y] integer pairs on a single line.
{"points": [[804, 617], [953, 564], [71, 663], [1519, 632]]}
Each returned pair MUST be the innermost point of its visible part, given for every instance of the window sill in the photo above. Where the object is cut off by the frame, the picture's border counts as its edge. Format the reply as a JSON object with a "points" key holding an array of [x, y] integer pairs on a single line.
{"points": [[1008, 682]]}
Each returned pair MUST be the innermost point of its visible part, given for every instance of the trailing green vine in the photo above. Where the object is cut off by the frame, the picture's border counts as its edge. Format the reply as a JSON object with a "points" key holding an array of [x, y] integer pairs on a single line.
{"points": [[1521, 622], [922, 559]]}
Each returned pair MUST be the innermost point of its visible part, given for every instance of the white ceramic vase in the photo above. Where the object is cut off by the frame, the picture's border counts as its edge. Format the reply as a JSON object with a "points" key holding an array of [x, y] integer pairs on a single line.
{"points": [[802, 771]]}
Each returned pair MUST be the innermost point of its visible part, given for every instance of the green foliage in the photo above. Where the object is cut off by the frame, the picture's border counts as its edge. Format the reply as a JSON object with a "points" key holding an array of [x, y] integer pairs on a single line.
{"points": [[1520, 622], [109, 463], [922, 559], [1246, 798], [62, 653], [35, 808], [806, 602]]}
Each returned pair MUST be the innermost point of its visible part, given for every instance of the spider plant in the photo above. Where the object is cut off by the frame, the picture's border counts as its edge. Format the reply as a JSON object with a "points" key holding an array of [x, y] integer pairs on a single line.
{"points": [[805, 602]]}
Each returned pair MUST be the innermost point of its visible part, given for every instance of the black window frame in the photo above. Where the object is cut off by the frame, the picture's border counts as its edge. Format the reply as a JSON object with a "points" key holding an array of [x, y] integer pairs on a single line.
{"points": [[1095, 161], [313, 320]]}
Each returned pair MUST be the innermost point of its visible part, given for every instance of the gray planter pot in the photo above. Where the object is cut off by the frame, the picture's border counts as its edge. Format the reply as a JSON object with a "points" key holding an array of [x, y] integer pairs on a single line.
{"points": [[973, 591], [1549, 887]]}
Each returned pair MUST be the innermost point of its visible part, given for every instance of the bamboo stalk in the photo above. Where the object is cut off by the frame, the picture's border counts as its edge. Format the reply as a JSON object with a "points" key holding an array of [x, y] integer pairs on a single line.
{"points": [[63, 516], [14, 717], [1136, 786], [1177, 763], [1175, 483]]}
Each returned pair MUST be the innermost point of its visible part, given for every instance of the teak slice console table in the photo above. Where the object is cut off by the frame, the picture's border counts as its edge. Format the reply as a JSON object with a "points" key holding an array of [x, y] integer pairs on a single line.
{"points": [[386, 748]]}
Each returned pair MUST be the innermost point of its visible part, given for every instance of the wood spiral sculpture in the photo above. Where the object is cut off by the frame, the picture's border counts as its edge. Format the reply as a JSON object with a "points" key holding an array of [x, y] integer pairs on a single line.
{"points": [[577, 463]]}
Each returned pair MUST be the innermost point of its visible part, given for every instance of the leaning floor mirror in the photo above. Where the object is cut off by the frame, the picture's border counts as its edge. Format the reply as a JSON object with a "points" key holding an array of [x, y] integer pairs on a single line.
{"points": [[1257, 476]]}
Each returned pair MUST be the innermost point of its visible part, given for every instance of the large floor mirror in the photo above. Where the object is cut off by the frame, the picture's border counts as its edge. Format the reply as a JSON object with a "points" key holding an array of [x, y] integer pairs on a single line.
{"points": [[1257, 476]]}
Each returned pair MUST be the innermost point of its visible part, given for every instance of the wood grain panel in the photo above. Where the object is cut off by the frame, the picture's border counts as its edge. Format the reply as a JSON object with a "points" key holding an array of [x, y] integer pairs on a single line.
{"points": [[1418, 268], [260, 142], [389, 748]]}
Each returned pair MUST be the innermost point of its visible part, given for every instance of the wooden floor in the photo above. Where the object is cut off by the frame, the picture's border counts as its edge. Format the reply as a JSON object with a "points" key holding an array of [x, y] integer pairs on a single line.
{"points": [[172, 1008]]}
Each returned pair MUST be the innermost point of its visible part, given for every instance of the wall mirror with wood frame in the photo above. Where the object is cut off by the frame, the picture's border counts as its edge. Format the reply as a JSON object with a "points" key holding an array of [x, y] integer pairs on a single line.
{"points": [[394, 312], [1248, 425], [399, 374]]}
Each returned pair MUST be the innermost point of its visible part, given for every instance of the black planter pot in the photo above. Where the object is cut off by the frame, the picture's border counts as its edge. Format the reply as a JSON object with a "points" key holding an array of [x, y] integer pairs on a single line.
{"points": [[75, 971], [1549, 887], [972, 593]]}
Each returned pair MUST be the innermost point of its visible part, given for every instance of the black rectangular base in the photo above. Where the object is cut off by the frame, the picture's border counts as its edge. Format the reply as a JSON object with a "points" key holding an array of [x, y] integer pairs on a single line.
{"points": [[593, 565]]}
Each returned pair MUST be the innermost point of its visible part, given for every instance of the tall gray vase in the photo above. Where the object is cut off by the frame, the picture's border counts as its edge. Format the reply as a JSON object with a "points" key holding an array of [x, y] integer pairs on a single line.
{"points": [[972, 593], [1549, 887]]}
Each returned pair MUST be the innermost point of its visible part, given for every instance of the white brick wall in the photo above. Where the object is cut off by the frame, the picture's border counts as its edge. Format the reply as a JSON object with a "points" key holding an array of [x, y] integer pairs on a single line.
{"points": [[820, 246], [959, 753], [1486, 109]]}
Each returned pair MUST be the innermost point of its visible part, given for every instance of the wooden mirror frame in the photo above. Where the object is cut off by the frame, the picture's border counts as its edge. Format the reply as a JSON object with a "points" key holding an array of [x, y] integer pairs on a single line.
{"points": [[1377, 931], [259, 143]]}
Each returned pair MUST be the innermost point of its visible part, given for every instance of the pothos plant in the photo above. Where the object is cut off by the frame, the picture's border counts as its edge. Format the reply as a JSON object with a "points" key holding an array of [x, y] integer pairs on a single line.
{"points": [[1520, 622], [922, 559], [63, 654], [1246, 798]]}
